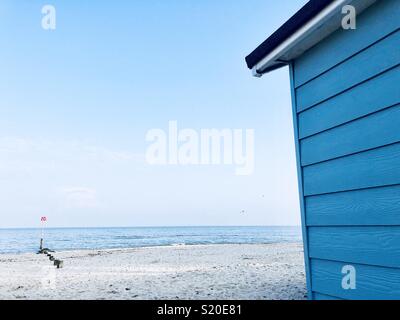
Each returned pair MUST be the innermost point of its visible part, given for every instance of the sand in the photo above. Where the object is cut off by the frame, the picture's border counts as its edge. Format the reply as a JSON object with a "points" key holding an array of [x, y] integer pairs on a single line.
{"points": [[270, 271]]}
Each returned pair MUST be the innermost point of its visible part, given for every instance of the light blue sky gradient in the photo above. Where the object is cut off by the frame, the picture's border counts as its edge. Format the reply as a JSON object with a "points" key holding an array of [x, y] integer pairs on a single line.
{"points": [[77, 102]]}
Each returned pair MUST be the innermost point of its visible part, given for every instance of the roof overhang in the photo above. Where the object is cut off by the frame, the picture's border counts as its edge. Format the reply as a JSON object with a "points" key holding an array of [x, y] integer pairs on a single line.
{"points": [[313, 23]]}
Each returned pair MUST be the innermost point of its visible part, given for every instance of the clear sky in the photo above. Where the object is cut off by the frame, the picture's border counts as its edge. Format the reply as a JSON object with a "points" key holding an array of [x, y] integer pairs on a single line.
{"points": [[76, 104]]}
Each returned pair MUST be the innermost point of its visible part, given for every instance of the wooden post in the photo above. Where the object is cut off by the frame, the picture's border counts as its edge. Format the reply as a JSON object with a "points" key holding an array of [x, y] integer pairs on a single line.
{"points": [[58, 263], [43, 221]]}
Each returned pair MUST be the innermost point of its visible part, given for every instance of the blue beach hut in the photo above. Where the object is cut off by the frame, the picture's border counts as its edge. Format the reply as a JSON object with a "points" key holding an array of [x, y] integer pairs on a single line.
{"points": [[345, 86]]}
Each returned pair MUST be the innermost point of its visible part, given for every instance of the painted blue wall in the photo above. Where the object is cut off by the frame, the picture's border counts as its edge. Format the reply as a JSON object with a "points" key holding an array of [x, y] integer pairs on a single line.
{"points": [[346, 103]]}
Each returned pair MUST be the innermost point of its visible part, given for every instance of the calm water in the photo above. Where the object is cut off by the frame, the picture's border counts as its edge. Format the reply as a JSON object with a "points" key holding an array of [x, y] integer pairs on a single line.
{"points": [[27, 240]]}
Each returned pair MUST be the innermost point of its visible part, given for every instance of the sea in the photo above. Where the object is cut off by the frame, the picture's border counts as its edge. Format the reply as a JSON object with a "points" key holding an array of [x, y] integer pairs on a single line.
{"points": [[60, 239]]}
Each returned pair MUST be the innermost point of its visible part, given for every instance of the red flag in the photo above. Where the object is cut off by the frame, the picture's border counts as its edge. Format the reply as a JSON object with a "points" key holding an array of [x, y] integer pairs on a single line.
{"points": [[43, 219]]}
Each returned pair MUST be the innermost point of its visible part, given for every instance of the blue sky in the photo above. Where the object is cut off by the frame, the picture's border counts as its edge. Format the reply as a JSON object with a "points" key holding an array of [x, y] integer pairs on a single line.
{"points": [[76, 104]]}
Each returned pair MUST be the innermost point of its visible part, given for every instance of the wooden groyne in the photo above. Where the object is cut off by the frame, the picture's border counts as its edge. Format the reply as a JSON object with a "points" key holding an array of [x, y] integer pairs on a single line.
{"points": [[57, 262]]}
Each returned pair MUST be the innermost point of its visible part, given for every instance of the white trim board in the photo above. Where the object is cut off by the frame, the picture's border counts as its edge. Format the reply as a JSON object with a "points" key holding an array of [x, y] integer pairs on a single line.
{"points": [[321, 26]]}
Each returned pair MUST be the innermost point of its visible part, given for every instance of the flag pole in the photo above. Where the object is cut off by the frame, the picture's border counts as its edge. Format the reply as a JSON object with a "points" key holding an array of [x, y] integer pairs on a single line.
{"points": [[41, 239], [42, 220]]}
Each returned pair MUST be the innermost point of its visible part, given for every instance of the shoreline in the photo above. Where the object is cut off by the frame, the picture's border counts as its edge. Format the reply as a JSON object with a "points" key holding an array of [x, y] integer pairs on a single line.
{"points": [[150, 247], [200, 271]]}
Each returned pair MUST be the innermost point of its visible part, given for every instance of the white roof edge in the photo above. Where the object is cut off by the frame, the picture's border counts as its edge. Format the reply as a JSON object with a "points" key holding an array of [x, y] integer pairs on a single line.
{"points": [[286, 51]]}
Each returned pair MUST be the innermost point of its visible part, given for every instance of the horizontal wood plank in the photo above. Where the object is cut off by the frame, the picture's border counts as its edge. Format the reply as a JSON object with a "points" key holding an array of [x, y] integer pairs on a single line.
{"points": [[352, 104], [373, 168], [372, 283], [363, 66], [370, 132], [375, 206], [375, 245], [320, 296], [373, 24]]}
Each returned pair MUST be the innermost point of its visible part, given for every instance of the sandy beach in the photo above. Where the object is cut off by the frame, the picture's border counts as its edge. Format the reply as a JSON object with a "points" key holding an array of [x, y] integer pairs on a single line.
{"points": [[269, 271]]}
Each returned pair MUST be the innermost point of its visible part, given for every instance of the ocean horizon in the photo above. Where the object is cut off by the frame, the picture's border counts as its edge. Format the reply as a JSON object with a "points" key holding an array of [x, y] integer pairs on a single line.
{"points": [[26, 240]]}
